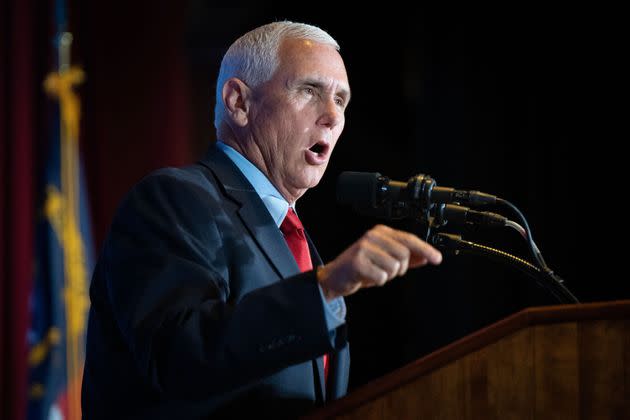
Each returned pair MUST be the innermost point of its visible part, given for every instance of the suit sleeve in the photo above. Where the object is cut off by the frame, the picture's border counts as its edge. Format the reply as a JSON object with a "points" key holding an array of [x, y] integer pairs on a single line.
{"points": [[166, 287]]}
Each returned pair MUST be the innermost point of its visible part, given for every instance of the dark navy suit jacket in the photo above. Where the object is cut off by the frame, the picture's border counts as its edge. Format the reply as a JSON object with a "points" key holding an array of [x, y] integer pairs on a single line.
{"points": [[198, 308]]}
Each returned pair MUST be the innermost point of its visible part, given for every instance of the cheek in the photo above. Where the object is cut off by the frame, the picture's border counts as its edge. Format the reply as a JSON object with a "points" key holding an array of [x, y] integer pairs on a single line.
{"points": [[341, 125], [338, 130]]}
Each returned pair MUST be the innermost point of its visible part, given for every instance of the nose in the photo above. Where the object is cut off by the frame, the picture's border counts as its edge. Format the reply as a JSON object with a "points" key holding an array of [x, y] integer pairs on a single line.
{"points": [[331, 115]]}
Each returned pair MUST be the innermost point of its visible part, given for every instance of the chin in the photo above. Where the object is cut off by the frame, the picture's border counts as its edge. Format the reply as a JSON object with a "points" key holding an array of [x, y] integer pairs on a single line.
{"points": [[307, 176], [315, 177], [309, 182]]}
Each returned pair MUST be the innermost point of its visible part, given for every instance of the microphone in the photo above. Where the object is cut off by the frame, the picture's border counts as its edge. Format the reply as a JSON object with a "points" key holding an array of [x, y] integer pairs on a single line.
{"points": [[445, 213], [373, 194]]}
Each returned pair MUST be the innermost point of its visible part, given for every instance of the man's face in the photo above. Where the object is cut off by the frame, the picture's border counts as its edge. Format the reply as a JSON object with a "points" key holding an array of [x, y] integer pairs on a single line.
{"points": [[298, 115]]}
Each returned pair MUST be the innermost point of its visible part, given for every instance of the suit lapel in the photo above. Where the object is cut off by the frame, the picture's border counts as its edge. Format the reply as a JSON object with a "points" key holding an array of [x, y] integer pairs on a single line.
{"points": [[252, 212], [262, 227]]}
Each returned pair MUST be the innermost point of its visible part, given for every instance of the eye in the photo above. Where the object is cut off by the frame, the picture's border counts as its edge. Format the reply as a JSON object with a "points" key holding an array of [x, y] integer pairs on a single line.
{"points": [[308, 90], [339, 101]]}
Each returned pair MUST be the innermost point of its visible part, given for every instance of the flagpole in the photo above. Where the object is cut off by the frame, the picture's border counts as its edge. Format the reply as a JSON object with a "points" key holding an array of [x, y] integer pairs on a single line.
{"points": [[75, 278], [67, 190]]}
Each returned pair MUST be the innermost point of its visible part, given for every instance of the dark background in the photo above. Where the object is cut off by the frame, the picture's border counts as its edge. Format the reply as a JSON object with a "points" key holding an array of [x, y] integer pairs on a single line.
{"points": [[525, 101], [500, 100]]}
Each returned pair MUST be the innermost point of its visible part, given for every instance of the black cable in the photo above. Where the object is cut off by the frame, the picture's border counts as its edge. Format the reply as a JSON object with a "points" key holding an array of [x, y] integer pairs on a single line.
{"points": [[545, 270], [532, 246]]}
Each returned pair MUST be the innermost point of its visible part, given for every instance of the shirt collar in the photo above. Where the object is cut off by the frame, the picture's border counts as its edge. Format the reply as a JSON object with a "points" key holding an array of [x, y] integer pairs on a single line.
{"points": [[275, 203]]}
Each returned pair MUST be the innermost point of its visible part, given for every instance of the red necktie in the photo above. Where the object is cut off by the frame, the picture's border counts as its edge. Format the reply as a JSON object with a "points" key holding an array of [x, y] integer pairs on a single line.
{"points": [[293, 232]]}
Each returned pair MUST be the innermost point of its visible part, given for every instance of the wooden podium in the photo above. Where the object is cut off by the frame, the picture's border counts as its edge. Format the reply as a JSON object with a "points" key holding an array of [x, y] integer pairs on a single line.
{"points": [[556, 362]]}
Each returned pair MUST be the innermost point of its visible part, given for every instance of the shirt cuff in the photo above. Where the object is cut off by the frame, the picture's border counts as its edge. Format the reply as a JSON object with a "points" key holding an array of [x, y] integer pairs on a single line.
{"points": [[335, 311]]}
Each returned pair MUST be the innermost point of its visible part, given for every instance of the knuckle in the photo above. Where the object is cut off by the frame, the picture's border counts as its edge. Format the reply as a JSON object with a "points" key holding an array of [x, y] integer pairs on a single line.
{"points": [[380, 228], [360, 253]]}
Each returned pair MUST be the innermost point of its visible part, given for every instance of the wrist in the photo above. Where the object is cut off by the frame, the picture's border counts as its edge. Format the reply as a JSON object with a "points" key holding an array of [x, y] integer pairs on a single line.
{"points": [[322, 274]]}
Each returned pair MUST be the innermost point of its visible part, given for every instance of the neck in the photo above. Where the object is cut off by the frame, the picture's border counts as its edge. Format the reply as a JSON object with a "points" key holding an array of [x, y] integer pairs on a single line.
{"points": [[250, 151]]}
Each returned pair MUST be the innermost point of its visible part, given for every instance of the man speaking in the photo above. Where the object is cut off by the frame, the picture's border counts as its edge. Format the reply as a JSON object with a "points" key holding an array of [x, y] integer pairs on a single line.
{"points": [[209, 299]]}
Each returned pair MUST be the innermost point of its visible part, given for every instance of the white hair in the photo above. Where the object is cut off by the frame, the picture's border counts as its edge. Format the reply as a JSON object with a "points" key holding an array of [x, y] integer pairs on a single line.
{"points": [[253, 57]]}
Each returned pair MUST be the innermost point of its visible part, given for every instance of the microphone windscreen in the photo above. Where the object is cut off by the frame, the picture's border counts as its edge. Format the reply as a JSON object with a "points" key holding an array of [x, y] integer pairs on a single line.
{"points": [[358, 189]]}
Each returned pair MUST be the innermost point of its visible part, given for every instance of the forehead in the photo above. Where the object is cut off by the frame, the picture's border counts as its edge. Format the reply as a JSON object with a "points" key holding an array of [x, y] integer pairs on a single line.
{"points": [[300, 58]]}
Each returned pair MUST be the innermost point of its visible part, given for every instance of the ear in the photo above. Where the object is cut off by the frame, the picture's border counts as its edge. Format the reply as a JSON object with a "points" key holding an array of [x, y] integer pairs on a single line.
{"points": [[237, 99]]}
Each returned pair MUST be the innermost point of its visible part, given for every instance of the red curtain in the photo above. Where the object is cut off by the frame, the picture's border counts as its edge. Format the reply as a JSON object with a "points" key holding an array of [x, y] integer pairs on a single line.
{"points": [[136, 98], [136, 118], [17, 139]]}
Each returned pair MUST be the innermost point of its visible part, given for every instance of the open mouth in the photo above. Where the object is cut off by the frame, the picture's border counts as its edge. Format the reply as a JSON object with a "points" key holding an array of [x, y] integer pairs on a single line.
{"points": [[317, 154], [318, 148]]}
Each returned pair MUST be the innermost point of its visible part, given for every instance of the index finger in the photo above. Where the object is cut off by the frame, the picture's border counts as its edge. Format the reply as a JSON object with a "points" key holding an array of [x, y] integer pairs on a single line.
{"points": [[417, 246]]}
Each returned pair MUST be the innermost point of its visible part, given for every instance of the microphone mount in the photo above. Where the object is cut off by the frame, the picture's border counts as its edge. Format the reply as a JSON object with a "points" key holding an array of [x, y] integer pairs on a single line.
{"points": [[421, 200]]}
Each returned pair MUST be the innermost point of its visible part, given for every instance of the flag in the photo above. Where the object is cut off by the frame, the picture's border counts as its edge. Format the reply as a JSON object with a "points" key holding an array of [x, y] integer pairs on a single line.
{"points": [[59, 301]]}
